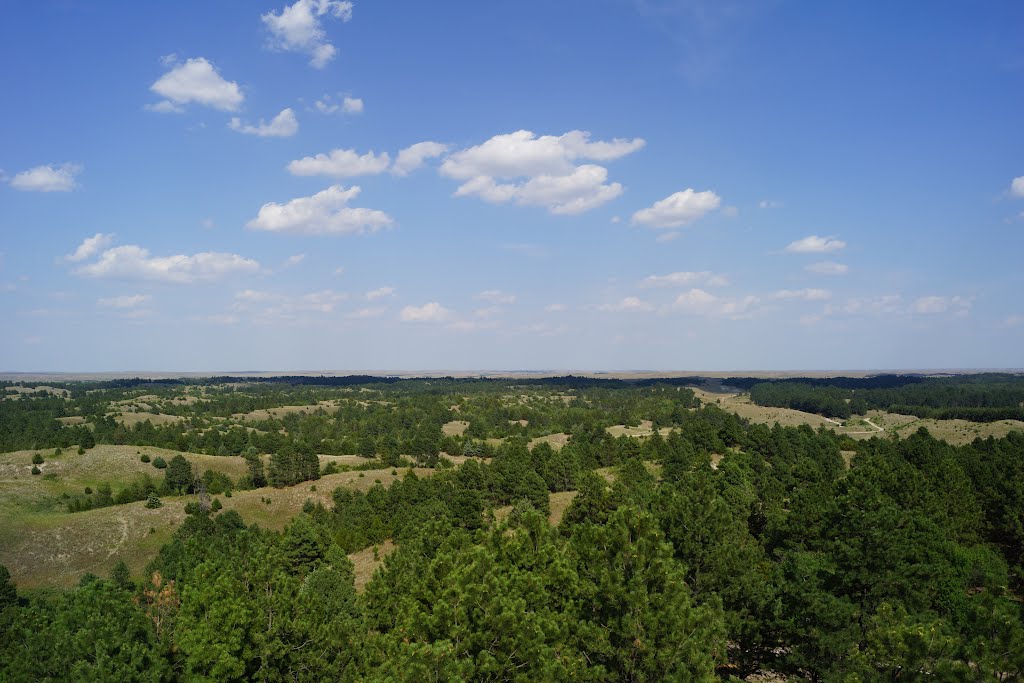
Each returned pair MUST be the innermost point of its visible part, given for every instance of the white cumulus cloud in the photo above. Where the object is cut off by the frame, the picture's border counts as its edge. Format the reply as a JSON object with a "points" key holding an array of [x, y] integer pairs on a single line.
{"points": [[47, 178], [413, 156], [700, 302], [813, 244], [678, 209], [1017, 186], [299, 28], [89, 247], [539, 171], [432, 312], [325, 213], [348, 105], [134, 262], [341, 163], [196, 81], [284, 125]]}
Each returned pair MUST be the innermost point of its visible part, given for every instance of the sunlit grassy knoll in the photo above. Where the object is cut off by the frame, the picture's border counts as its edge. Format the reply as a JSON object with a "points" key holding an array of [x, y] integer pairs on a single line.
{"points": [[70, 473], [56, 548], [130, 419], [556, 440], [454, 428], [281, 411], [645, 429], [879, 423]]}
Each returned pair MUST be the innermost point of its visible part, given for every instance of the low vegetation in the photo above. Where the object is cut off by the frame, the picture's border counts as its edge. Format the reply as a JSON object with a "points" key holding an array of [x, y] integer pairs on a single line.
{"points": [[490, 529]]}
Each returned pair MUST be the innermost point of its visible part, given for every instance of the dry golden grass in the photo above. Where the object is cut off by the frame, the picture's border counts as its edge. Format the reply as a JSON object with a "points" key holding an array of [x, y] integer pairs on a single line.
{"points": [[132, 419], [957, 432], [879, 423], [559, 502], [116, 465], [366, 562], [71, 420], [287, 502], [741, 405], [556, 440], [347, 460], [281, 411], [645, 429], [56, 548], [455, 427]]}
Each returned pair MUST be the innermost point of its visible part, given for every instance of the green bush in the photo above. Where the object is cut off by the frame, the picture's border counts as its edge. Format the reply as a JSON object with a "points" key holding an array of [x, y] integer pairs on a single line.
{"points": [[37, 459], [153, 501], [36, 470], [216, 504], [159, 463], [144, 457]]}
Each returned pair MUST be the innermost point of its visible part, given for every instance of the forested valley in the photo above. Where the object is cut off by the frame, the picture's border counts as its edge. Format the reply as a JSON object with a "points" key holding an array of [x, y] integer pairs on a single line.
{"points": [[689, 544]]}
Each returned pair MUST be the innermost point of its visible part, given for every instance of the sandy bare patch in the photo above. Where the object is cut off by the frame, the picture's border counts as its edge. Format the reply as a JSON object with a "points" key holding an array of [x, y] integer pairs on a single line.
{"points": [[559, 503], [365, 562], [454, 428]]}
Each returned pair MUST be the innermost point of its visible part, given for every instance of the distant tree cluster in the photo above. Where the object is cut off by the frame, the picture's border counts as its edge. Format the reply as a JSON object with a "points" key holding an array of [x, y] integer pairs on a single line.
{"points": [[979, 398]]}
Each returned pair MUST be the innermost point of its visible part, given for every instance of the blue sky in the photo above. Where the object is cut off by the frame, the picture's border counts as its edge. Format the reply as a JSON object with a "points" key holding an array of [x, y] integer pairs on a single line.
{"points": [[609, 184]]}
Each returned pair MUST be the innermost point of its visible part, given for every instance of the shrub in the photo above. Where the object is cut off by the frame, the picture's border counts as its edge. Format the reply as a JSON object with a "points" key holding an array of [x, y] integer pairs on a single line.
{"points": [[227, 494], [159, 463], [88, 490], [57, 451], [36, 470], [192, 508], [81, 451], [216, 504], [144, 458], [153, 501], [37, 459]]}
